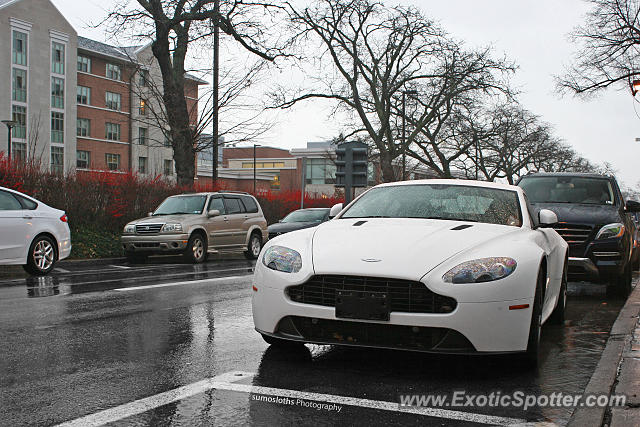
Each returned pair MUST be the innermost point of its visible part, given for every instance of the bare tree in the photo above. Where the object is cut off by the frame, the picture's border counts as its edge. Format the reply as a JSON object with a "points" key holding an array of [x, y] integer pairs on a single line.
{"points": [[610, 46], [173, 26]]}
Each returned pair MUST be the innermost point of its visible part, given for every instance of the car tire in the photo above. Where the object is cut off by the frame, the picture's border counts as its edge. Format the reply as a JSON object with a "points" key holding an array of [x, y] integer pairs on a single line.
{"points": [[136, 258], [531, 355], [557, 317], [196, 250], [254, 247], [621, 285], [42, 256], [279, 342]]}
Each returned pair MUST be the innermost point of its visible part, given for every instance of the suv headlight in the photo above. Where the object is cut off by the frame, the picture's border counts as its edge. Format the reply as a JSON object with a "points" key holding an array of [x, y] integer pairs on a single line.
{"points": [[171, 228], [282, 259], [610, 231], [481, 270], [129, 229]]}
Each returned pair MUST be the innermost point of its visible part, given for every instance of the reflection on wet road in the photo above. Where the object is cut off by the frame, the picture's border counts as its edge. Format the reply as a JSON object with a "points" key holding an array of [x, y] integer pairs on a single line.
{"points": [[83, 347]]}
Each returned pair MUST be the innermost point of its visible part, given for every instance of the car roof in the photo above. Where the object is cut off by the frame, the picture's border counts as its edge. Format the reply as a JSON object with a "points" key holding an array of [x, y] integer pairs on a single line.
{"points": [[461, 182], [212, 193], [568, 174]]}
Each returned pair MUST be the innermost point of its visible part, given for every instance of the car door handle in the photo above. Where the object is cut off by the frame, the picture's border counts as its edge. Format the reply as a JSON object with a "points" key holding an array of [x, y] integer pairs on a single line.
{"points": [[27, 217]]}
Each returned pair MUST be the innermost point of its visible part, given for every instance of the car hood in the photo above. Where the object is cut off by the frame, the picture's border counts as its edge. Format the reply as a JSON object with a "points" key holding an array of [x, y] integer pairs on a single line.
{"points": [[285, 227], [581, 214], [395, 248], [163, 219]]}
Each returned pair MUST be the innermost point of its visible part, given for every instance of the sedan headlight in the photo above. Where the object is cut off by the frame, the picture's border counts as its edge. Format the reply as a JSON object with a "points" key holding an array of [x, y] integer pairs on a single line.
{"points": [[282, 259], [611, 231], [129, 229], [171, 228], [481, 270]]}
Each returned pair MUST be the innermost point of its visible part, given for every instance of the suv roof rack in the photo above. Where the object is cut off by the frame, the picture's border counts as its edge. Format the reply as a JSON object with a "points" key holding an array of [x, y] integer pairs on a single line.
{"points": [[232, 192]]}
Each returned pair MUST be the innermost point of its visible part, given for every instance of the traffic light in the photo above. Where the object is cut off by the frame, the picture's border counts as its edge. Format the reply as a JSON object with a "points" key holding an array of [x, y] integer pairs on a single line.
{"points": [[351, 166]]}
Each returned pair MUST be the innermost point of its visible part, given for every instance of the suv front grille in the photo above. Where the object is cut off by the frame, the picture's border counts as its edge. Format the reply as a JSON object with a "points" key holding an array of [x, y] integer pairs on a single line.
{"points": [[148, 228], [404, 295], [574, 233]]}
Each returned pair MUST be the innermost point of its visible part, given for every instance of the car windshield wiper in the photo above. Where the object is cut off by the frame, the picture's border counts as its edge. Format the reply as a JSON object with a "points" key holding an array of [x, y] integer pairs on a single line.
{"points": [[449, 218], [366, 216]]}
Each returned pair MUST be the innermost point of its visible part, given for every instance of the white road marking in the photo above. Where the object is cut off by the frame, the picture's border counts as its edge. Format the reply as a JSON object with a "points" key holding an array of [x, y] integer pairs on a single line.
{"points": [[124, 267], [61, 270], [228, 382], [191, 282]]}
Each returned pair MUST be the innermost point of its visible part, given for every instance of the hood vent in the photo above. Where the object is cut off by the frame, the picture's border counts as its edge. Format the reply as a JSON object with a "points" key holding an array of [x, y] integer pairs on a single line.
{"points": [[462, 227], [359, 223]]}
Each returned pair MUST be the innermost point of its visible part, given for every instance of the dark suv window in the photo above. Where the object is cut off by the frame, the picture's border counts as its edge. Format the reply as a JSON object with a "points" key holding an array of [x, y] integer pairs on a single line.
{"points": [[569, 189], [233, 205], [216, 203], [249, 204]]}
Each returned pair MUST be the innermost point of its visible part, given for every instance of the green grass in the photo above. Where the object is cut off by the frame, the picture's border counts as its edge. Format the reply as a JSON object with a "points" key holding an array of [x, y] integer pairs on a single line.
{"points": [[90, 243]]}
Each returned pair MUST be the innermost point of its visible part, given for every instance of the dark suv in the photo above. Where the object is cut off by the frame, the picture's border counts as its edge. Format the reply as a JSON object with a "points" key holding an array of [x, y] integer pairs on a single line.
{"points": [[594, 220]]}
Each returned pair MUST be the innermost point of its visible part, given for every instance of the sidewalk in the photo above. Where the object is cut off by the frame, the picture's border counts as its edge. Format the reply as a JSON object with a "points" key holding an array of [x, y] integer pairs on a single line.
{"points": [[618, 372]]}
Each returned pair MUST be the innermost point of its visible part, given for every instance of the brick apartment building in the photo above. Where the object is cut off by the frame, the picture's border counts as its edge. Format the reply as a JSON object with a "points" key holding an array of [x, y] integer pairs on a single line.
{"points": [[78, 103]]}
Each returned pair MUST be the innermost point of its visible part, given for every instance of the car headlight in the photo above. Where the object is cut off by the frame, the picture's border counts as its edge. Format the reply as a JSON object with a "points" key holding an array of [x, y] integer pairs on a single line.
{"points": [[611, 231], [282, 259], [481, 270], [171, 228], [129, 229]]}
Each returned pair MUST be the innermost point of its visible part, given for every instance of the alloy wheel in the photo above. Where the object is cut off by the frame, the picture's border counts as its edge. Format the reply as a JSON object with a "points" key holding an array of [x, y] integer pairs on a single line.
{"points": [[255, 246], [198, 248], [43, 255]]}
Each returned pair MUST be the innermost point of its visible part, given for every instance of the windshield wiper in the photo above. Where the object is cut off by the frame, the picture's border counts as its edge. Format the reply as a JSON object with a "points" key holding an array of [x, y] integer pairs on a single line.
{"points": [[368, 216]]}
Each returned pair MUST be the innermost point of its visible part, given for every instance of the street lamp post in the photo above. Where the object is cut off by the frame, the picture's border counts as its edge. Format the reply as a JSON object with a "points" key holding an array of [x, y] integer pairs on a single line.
{"points": [[215, 71], [404, 143], [10, 125], [254, 167]]}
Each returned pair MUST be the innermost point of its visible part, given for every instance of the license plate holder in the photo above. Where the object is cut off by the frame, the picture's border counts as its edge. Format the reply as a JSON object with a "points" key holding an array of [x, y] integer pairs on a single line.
{"points": [[362, 305]]}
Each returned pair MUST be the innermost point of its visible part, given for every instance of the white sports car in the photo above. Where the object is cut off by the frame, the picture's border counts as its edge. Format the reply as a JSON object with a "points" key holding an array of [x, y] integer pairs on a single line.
{"points": [[436, 265]]}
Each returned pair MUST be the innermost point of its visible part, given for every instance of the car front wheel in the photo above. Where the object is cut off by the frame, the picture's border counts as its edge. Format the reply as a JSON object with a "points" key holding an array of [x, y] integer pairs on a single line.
{"points": [[42, 256], [530, 357], [254, 247], [196, 251]]}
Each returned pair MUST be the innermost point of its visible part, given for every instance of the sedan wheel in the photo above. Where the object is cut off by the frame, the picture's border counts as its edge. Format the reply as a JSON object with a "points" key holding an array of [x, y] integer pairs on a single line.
{"points": [[42, 256], [530, 357]]}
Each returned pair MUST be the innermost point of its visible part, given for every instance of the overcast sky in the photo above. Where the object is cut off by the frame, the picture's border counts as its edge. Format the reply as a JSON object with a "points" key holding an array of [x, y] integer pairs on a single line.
{"points": [[533, 34]]}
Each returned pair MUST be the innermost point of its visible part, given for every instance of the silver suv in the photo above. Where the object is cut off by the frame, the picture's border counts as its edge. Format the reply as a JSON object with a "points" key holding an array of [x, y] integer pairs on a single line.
{"points": [[196, 224]]}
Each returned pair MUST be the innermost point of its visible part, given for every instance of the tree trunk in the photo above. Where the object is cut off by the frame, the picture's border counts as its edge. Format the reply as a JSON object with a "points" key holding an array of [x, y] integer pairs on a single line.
{"points": [[386, 166]]}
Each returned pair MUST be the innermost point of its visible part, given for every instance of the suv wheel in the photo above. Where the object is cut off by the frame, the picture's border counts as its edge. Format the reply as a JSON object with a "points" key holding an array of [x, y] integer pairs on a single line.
{"points": [[196, 250], [41, 257], [254, 247]]}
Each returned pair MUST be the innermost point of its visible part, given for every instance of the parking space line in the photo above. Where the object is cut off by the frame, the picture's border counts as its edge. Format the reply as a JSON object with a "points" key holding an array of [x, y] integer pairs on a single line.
{"points": [[191, 282], [124, 267], [61, 270], [229, 382]]}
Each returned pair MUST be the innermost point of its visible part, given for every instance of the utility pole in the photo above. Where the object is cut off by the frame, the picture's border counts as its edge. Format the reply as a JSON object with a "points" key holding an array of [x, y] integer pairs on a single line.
{"points": [[254, 169], [216, 70], [10, 125]]}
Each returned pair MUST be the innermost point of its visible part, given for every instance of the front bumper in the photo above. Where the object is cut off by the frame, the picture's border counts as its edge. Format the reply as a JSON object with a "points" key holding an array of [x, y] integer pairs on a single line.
{"points": [[598, 261], [161, 243], [488, 327]]}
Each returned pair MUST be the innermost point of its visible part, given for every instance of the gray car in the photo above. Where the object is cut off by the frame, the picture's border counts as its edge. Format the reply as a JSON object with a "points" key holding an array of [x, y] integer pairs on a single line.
{"points": [[198, 224]]}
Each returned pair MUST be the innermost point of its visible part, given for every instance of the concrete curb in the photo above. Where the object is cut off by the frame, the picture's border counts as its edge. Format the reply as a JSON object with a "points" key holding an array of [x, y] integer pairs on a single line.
{"points": [[604, 377]]}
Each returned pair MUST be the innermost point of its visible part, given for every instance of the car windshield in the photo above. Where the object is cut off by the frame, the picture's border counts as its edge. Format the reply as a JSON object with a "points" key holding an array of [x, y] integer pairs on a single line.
{"points": [[568, 189], [305, 215], [439, 201], [181, 205]]}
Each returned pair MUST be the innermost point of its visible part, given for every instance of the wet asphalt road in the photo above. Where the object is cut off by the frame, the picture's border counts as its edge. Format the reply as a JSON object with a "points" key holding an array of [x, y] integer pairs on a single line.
{"points": [[86, 339]]}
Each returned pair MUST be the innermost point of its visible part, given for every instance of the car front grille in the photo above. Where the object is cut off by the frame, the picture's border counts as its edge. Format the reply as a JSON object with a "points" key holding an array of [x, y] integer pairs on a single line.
{"points": [[148, 228], [574, 234], [403, 295]]}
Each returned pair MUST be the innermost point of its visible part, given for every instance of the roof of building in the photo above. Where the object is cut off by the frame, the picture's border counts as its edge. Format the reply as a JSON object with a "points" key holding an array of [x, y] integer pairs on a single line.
{"points": [[126, 53]]}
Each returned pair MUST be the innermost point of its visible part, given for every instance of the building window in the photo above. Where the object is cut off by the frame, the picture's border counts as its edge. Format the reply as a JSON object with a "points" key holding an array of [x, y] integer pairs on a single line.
{"points": [[168, 167], [84, 64], [57, 127], [57, 58], [112, 131], [84, 127], [57, 160], [263, 165], [142, 109], [84, 95], [20, 117], [320, 171], [143, 137], [83, 159], [113, 101], [113, 161], [57, 93], [19, 85], [143, 78], [113, 72], [19, 48], [275, 182], [142, 164], [19, 151]]}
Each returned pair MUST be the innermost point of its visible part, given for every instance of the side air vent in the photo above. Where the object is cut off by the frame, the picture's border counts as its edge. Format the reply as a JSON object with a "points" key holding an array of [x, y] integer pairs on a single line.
{"points": [[359, 223], [462, 227]]}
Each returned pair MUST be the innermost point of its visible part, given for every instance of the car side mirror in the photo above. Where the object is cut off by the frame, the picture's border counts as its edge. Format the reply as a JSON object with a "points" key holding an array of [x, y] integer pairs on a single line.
{"points": [[632, 206], [149, 213], [213, 212], [547, 218], [335, 210]]}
